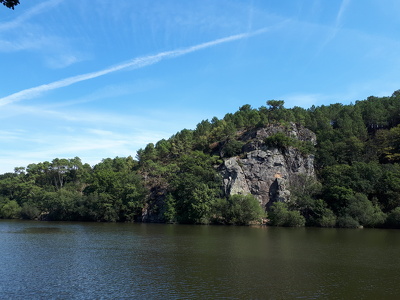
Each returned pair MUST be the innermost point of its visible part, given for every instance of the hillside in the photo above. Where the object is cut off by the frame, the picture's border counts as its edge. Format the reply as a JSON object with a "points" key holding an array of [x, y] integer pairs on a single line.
{"points": [[328, 166]]}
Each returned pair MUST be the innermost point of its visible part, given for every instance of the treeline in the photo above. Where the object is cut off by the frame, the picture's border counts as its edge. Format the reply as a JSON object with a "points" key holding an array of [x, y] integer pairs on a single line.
{"points": [[176, 180]]}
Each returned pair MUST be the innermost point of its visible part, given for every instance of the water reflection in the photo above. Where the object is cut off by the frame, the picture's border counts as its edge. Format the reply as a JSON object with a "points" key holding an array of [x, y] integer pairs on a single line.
{"points": [[151, 261]]}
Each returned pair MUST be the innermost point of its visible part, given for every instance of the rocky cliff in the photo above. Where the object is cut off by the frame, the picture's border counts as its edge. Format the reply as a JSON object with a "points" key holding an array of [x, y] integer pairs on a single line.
{"points": [[261, 169], [266, 171]]}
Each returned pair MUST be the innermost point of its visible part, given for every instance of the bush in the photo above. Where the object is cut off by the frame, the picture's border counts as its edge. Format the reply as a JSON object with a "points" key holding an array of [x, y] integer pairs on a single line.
{"points": [[328, 219], [295, 219], [347, 221], [279, 140], [233, 148], [170, 210], [242, 210], [364, 211], [10, 210], [29, 211], [393, 219], [280, 215]]}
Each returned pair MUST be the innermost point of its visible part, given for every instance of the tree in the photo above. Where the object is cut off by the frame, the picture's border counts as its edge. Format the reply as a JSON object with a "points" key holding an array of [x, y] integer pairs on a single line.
{"points": [[280, 215], [119, 189], [392, 151], [364, 211], [195, 188], [232, 147], [10, 210], [393, 219], [10, 3], [275, 104], [279, 140], [241, 210], [29, 211]]}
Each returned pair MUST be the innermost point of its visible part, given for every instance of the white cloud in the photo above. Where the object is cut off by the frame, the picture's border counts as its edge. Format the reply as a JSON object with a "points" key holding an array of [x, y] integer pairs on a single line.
{"points": [[99, 132], [23, 18], [337, 25], [135, 63], [62, 61], [302, 100], [90, 144]]}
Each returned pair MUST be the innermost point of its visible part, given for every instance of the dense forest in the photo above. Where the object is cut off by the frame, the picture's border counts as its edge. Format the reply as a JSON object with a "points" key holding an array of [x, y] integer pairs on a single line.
{"points": [[357, 169]]}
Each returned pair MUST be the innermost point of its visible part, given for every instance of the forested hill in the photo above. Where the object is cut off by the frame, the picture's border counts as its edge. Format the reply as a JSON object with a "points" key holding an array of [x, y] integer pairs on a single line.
{"points": [[357, 169]]}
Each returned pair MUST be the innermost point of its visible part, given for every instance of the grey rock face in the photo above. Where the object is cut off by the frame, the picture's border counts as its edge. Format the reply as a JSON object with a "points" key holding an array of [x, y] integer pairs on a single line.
{"points": [[267, 172], [278, 192]]}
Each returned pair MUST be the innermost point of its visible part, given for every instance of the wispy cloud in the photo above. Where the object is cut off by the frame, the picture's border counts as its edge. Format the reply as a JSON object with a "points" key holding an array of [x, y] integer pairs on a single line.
{"points": [[91, 145], [250, 16], [62, 61], [135, 63], [156, 123], [342, 8], [302, 99], [21, 19], [353, 92], [339, 17], [337, 25], [24, 34]]}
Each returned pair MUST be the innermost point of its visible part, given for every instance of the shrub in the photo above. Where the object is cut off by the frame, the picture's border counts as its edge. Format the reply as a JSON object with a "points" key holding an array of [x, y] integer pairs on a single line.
{"points": [[328, 219], [29, 211], [233, 148], [347, 221], [295, 219], [242, 210], [280, 215], [10, 210], [170, 209], [364, 211], [279, 140], [393, 219]]}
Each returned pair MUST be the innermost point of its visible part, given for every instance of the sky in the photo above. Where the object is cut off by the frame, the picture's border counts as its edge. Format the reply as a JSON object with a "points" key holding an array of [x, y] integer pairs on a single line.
{"points": [[102, 78]]}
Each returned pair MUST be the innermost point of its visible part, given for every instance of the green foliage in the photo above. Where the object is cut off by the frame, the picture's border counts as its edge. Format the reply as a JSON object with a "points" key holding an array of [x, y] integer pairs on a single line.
{"points": [[241, 210], [61, 205], [326, 217], [29, 211], [357, 160], [279, 140], [170, 214], [393, 219], [363, 211], [275, 104], [390, 148], [280, 215], [347, 221], [196, 187], [305, 193], [232, 148], [283, 141], [119, 190], [10, 210]]}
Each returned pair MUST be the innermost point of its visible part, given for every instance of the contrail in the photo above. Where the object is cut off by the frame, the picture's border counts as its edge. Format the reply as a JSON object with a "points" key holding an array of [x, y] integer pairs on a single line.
{"points": [[135, 63], [338, 24]]}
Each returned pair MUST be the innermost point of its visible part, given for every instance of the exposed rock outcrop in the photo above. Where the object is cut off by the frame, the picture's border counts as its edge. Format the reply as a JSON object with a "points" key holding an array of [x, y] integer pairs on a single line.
{"points": [[267, 172], [261, 169]]}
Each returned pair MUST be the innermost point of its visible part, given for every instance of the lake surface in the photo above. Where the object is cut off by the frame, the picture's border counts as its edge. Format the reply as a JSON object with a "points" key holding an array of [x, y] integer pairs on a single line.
{"points": [[43, 260]]}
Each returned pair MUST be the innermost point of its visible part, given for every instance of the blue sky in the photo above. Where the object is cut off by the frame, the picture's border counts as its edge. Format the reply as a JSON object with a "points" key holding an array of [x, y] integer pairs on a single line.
{"points": [[102, 78]]}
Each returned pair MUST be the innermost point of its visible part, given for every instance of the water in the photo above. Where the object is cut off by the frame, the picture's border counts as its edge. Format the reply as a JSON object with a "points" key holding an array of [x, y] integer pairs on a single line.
{"points": [[41, 260]]}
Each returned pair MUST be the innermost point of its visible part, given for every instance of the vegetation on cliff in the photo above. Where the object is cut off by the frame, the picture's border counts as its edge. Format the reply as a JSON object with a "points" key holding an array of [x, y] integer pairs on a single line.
{"points": [[357, 158]]}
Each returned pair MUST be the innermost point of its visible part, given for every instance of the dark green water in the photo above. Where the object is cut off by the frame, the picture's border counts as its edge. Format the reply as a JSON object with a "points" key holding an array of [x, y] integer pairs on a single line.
{"points": [[40, 260]]}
